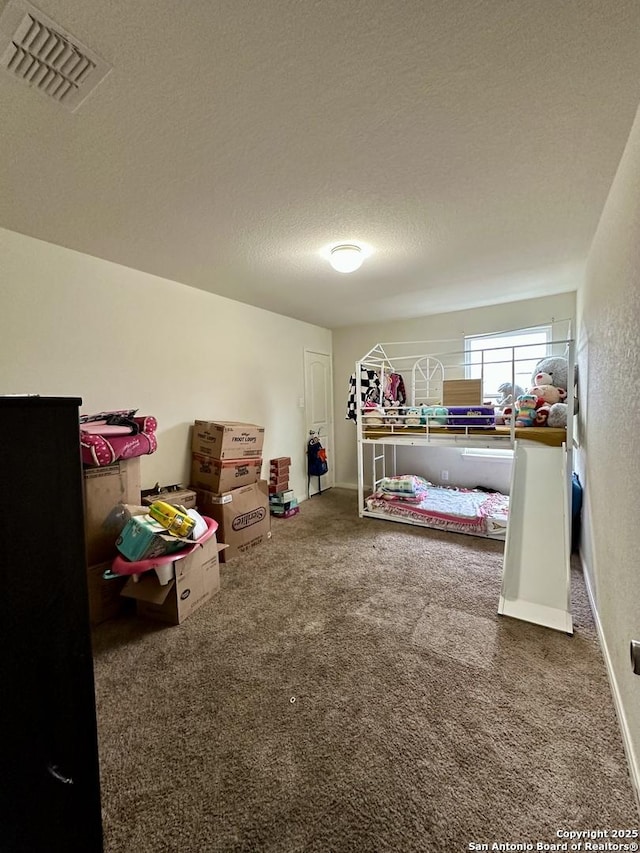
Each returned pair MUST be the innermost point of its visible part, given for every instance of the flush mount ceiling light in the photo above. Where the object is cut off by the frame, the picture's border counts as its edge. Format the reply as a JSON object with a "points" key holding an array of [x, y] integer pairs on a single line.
{"points": [[346, 257]]}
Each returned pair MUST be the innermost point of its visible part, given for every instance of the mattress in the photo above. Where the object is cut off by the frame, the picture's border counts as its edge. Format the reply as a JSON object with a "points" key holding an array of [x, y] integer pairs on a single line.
{"points": [[457, 510]]}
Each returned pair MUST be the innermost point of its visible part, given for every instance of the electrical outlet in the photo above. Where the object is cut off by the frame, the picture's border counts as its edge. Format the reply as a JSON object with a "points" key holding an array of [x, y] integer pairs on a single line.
{"points": [[444, 476]]}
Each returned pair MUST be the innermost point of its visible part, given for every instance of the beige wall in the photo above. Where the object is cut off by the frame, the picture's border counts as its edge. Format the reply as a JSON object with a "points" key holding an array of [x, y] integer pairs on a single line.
{"points": [[608, 312], [73, 325], [353, 342]]}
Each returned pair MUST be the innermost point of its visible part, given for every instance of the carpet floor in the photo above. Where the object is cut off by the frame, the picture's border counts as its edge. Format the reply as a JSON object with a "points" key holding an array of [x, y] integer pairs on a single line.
{"points": [[351, 688]]}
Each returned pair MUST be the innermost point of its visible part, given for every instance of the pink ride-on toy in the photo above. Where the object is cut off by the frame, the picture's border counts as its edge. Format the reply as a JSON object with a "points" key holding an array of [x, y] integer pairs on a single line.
{"points": [[163, 565]]}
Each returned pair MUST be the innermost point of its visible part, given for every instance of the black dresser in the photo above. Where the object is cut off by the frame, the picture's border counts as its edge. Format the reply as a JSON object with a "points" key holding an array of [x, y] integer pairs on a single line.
{"points": [[49, 772]]}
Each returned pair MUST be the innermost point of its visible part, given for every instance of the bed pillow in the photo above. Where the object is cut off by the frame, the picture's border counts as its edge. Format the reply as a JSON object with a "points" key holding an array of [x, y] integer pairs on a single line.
{"points": [[405, 484]]}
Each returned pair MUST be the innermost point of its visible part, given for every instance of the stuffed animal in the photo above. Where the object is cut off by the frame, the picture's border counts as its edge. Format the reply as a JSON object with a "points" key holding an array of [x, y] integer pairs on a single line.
{"points": [[392, 413], [542, 414], [549, 393], [434, 415], [373, 414], [554, 371], [412, 417], [508, 394], [551, 371], [526, 410]]}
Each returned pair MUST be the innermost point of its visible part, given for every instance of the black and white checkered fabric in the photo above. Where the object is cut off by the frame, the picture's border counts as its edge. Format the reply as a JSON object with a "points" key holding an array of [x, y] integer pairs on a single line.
{"points": [[370, 384]]}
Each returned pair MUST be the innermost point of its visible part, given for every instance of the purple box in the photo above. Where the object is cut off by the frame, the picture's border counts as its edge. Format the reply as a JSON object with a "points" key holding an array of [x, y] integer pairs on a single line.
{"points": [[471, 416]]}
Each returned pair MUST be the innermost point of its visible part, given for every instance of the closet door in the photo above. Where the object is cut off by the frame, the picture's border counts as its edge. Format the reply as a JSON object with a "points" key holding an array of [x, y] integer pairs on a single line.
{"points": [[50, 797], [318, 402]]}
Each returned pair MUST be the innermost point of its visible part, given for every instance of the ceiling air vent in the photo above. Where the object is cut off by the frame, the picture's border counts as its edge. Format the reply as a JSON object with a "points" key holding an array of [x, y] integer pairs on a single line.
{"points": [[36, 50]]}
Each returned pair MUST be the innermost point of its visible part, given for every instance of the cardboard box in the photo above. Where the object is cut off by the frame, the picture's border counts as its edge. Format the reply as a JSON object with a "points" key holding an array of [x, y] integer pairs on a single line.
{"points": [[282, 497], [288, 513], [196, 581], [280, 486], [105, 489], [222, 475], [461, 392], [280, 462], [227, 439], [279, 473], [104, 596], [279, 481], [281, 509], [177, 497], [242, 515]]}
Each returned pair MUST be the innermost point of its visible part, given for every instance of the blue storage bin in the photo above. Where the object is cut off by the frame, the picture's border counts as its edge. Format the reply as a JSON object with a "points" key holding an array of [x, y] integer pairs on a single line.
{"points": [[471, 416]]}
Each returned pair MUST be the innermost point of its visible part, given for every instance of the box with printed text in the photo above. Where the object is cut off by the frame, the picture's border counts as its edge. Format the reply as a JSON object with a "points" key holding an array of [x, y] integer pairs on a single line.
{"points": [[196, 580], [227, 439], [242, 515], [221, 475]]}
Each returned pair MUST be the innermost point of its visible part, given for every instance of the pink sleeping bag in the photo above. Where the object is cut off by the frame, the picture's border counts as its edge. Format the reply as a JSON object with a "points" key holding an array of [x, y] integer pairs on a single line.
{"points": [[109, 436]]}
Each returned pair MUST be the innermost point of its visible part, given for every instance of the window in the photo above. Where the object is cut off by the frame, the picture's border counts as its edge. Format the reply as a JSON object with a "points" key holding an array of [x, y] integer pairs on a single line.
{"points": [[487, 454], [495, 358]]}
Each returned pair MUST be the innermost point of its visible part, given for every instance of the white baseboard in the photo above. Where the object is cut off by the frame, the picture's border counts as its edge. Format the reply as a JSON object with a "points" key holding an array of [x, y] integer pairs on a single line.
{"points": [[632, 760]]}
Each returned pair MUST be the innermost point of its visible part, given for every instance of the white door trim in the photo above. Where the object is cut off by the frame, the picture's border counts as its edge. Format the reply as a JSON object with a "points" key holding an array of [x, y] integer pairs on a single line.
{"points": [[309, 351]]}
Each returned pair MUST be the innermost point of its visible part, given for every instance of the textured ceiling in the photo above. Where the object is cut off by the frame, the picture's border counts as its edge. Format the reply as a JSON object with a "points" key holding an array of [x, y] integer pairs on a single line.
{"points": [[469, 143]]}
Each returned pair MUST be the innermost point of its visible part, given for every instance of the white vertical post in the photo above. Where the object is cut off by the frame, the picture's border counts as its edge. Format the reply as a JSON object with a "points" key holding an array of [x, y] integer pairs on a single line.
{"points": [[359, 444]]}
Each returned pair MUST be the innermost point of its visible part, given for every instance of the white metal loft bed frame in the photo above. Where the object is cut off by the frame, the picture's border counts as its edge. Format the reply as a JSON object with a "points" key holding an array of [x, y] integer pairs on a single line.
{"points": [[532, 590]]}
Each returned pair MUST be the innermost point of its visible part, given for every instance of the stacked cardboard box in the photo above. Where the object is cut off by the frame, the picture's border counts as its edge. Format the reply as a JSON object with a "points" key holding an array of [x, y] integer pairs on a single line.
{"points": [[196, 579], [225, 455], [173, 495], [225, 472], [282, 501], [105, 491], [283, 505], [279, 474], [242, 515]]}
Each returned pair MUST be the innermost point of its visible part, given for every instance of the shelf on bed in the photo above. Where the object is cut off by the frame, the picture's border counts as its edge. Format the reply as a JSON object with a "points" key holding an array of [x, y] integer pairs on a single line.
{"points": [[551, 436]]}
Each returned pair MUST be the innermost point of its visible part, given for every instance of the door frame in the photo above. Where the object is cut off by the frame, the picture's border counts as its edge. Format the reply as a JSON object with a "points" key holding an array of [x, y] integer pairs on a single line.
{"points": [[332, 471]]}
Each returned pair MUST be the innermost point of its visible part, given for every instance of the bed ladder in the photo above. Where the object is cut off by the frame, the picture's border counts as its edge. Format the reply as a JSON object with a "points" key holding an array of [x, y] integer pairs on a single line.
{"points": [[536, 569]]}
